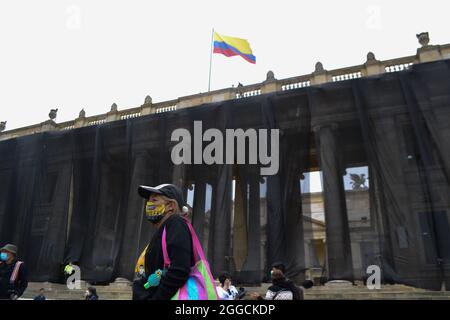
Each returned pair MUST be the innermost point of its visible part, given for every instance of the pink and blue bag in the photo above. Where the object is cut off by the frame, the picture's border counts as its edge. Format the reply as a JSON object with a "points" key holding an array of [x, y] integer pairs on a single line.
{"points": [[200, 284]]}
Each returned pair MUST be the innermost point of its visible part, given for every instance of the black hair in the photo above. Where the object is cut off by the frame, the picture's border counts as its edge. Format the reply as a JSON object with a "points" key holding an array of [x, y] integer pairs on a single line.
{"points": [[278, 275], [280, 266], [307, 284], [92, 290], [224, 276]]}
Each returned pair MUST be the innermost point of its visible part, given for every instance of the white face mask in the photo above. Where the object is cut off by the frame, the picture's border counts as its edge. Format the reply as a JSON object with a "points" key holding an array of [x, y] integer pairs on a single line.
{"points": [[141, 270]]}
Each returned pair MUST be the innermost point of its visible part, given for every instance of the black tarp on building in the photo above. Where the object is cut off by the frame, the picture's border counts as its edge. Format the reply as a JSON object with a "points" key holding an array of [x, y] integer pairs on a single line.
{"points": [[71, 195]]}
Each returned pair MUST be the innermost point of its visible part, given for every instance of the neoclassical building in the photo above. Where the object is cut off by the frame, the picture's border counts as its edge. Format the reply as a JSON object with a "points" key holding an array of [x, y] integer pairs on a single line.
{"points": [[69, 190]]}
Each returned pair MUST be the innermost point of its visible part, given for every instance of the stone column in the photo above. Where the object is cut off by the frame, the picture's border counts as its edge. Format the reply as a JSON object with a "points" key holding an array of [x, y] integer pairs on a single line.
{"points": [[239, 227], [219, 236], [131, 245], [253, 263], [178, 176], [337, 230], [198, 211]]}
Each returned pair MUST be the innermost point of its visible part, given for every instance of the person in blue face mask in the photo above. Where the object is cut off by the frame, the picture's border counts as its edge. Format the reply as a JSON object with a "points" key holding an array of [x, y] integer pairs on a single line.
{"points": [[13, 274]]}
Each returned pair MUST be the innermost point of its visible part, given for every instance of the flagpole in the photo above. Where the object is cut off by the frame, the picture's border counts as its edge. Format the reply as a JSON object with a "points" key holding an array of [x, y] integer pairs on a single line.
{"points": [[210, 59]]}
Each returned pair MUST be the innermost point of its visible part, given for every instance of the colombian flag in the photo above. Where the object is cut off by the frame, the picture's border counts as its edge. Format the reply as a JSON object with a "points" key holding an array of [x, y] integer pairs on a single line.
{"points": [[230, 46]]}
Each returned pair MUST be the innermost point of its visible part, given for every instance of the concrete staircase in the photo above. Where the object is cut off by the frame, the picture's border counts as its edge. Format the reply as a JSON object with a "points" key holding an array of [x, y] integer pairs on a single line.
{"points": [[122, 291], [387, 292], [53, 291]]}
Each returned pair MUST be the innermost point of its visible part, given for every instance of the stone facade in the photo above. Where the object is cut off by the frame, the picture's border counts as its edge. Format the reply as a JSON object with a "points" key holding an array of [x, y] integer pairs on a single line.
{"points": [[426, 53]]}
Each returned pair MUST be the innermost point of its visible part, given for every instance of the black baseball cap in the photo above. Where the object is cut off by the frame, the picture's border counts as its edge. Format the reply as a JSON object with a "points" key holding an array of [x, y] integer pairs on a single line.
{"points": [[171, 191]]}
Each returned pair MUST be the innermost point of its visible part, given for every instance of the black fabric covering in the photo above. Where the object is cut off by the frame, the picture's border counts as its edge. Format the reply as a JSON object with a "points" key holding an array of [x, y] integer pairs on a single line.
{"points": [[72, 195]]}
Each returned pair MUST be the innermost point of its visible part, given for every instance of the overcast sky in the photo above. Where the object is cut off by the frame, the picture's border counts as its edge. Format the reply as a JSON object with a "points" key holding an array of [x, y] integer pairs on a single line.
{"points": [[90, 53]]}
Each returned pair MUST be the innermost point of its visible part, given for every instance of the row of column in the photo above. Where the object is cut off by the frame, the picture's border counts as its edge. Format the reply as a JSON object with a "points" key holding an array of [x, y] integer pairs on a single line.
{"points": [[339, 258]]}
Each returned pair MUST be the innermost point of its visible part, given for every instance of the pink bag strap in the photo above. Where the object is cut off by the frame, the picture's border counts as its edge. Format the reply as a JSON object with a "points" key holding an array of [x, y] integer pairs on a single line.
{"points": [[198, 251], [15, 272], [197, 248], [164, 249]]}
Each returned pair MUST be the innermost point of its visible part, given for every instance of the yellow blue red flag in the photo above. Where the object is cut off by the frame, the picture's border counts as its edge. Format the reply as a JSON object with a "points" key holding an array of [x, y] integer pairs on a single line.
{"points": [[231, 46]]}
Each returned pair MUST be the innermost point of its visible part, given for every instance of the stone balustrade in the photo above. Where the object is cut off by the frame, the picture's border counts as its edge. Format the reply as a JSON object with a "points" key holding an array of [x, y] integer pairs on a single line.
{"points": [[372, 66]]}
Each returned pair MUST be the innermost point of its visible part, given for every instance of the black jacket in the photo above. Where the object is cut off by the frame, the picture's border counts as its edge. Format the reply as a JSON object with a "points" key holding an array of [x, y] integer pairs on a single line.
{"points": [[6, 289], [179, 249]]}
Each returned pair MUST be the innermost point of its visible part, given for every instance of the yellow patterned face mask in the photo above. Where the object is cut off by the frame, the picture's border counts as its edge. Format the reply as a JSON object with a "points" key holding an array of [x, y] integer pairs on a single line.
{"points": [[153, 212]]}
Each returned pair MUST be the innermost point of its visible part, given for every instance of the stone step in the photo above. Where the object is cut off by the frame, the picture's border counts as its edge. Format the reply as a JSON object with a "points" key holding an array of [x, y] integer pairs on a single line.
{"points": [[79, 295], [372, 293], [123, 292], [388, 297]]}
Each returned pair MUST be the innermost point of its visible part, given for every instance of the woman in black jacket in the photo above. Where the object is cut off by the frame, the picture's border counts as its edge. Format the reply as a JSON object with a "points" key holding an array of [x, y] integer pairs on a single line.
{"points": [[156, 281], [282, 288]]}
